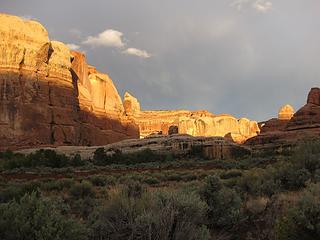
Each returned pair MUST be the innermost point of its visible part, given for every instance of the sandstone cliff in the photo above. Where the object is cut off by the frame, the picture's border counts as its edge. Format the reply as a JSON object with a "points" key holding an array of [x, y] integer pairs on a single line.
{"points": [[195, 123], [50, 96], [282, 131]]}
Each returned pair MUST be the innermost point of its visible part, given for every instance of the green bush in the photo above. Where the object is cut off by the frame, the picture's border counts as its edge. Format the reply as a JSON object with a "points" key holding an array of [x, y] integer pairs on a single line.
{"points": [[14, 191], [224, 204], [260, 182], [41, 158], [34, 218], [101, 158], [82, 190], [292, 178], [231, 174], [303, 220], [151, 180], [307, 155], [98, 181], [153, 215]]}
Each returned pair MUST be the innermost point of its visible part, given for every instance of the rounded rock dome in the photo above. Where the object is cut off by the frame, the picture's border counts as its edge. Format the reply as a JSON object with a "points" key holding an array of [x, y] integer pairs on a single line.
{"points": [[286, 112]]}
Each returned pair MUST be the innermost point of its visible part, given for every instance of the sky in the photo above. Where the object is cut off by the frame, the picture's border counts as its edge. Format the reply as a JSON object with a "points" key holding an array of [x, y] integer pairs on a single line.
{"points": [[242, 57]]}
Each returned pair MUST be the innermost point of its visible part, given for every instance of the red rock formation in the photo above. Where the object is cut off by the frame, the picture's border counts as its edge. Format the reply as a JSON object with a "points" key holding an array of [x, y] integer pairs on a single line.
{"points": [[195, 123], [305, 123], [51, 97]]}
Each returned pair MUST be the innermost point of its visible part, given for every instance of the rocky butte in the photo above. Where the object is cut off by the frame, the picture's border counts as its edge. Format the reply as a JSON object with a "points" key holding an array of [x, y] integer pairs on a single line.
{"points": [[195, 123], [50, 96], [290, 127]]}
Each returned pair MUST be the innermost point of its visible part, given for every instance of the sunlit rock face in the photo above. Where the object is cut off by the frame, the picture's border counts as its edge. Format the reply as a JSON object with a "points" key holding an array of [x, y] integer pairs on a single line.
{"points": [[49, 97], [286, 130], [286, 112], [195, 123]]}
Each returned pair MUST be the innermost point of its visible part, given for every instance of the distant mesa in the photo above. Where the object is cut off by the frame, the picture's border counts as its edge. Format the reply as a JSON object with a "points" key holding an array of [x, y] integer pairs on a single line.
{"points": [[194, 123]]}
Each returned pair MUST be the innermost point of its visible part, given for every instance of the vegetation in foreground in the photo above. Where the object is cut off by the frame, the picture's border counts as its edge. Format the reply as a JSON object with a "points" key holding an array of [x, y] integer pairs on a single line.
{"points": [[147, 196]]}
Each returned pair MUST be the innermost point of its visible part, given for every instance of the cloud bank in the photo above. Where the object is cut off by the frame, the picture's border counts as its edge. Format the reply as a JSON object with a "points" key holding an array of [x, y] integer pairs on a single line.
{"points": [[262, 6]]}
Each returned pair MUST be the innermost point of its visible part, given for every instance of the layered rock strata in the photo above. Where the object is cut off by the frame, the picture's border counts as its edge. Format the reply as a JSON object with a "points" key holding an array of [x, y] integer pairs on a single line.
{"points": [[178, 145], [50, 96], [195, 123]]}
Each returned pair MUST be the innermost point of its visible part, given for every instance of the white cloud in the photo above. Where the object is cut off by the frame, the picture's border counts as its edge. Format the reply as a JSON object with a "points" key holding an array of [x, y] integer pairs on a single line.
{"points": [[108, 38], [73, 46], [259, 5], [262, 5], [137, 52]]}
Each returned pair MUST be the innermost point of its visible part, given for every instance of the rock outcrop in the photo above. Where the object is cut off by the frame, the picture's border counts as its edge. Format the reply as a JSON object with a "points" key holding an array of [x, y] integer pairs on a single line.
{"points": [[195, 123], [50, 96], [178, 145], [286, 112], [305, 123]]}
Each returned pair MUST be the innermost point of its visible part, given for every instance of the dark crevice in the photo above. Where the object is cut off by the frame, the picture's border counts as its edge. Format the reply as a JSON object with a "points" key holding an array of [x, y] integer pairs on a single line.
{"points": [[50, 51], [52, 123]]}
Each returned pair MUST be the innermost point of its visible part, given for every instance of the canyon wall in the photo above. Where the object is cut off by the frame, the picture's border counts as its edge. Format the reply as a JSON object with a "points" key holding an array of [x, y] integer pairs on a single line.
{"points": [[290, 127], [50, 96], [195, 123]]}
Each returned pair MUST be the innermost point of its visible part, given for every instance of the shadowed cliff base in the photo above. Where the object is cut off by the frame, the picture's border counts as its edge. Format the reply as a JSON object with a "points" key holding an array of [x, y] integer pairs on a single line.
{"points": [[46, 112]]}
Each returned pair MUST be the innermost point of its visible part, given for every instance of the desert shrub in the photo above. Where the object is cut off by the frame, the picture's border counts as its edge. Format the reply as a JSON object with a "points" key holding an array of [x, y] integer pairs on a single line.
{"points": [[153, 215], [52, 185], [291, 177], [82, 207], [41, 158], [133, 189], [77, 161], [224, 204], [259, 182], [307, 155], [101, 158], [303, 220], [231, 174], [98, 181], [82, 190], [35, 218], [151, 180], [174, 177], [14, 191], [189, 177]]}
